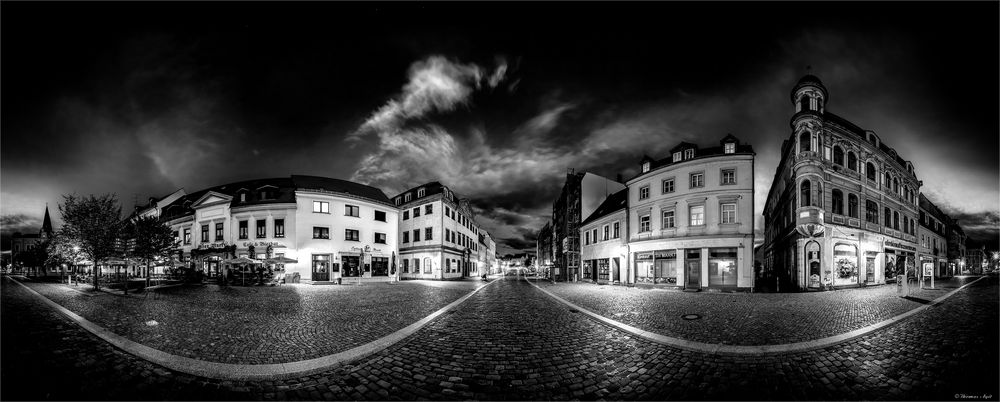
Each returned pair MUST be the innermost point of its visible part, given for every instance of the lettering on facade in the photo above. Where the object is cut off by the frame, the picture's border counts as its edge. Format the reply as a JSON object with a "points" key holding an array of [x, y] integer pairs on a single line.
{"points": [[899, 246], [213, 246], [272, 244]]}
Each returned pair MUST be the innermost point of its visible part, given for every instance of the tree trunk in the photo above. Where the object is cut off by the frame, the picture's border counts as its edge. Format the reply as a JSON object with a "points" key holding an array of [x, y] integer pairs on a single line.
{"points": [[94, 270], [147, 273]]}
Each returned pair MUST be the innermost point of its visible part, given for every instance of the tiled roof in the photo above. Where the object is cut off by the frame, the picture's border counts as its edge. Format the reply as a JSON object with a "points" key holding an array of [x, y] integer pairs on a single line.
{"points": [[615, 202], [701, 152], [340, 186]]}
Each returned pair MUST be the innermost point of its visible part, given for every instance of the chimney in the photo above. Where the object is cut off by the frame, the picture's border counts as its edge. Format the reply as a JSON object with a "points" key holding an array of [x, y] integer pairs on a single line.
{"points": [[618, 177]]}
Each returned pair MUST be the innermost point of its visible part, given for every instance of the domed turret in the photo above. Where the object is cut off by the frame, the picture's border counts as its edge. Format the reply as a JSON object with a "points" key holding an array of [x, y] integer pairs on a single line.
{"points": [[811, 86]]}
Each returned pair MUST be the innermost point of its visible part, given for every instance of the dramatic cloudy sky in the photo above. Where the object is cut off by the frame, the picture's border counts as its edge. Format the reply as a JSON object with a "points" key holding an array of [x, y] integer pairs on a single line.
{"points": [[495, 100]]}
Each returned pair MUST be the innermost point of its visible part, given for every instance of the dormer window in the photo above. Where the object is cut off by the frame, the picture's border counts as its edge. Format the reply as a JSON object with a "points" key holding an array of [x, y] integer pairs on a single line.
{"points": [[645, 167], [420, 193], [730, 148], [243, 197], [406, 197], [688, 153], [264, 194], [677, 156], [398, 201]]}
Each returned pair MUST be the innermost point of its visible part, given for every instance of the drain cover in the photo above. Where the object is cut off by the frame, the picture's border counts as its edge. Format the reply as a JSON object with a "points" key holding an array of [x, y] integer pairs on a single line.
{"points": [[691, 316]]}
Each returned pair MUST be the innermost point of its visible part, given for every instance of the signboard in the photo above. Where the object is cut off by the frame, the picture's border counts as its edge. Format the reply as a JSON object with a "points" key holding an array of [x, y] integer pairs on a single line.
{"points": [[899, 246], [273, 244], [928, 269]]}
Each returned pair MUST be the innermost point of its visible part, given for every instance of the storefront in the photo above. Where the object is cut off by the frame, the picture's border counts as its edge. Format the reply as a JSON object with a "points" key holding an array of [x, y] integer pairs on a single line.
{"points": [[900, 259], [657, 267], [845, 264]]}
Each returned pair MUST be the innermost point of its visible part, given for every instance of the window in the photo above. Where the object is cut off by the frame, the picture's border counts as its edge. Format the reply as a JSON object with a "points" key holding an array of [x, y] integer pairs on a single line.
{"points": [[244, 229], [645, 167], [406, 237], [416, 235], [428, 233], [838, 202], [668, 186], [380, 216], [871, 211], [870, 171], [595, 235], [852, 205], [852, 161], [187, 235], [406, 215], [643, 192], [697, 214], [428, 209], [218, 232], [906, 224], [406, 266], [805, 144], [730, 148], [806, 191], [204, 233], [380, 238], [803, 104], [668, 219], [427, 265], [398, 201], [321, 233], [416, 212], [265, 194], [677, 156], [838, 155], [261, 228], [688, 153], [895, 220], [321, 207], [697, 180], [352, 210], [586, 237], [421, 192], [352, 235], [644, 223], [722, 266], [447, 235], [616, 232], [895, 186], [888, 217], [279, 228], [728, 176], [728, 213], [243, 197], [607, 232]]}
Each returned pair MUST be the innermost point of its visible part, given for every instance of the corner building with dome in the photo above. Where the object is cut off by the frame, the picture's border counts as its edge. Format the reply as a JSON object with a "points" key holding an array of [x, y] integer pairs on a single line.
{"points": [[842, 209]]}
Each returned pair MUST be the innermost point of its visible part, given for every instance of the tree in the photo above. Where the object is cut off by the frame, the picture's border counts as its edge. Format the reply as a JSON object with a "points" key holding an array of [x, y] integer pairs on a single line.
{"points": [[63, 250], [35, 257], [94, 223], [150, 239]]}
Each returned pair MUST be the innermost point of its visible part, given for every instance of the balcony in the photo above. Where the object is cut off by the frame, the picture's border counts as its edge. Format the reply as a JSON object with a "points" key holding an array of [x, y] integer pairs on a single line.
{"points": [[809, 221]]}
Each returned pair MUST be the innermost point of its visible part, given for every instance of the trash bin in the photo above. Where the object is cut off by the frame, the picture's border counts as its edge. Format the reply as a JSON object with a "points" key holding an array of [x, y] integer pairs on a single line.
{"points": [[338, 280]]}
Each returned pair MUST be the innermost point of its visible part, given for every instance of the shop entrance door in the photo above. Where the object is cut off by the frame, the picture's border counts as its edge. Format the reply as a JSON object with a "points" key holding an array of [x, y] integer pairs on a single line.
{"points": [[870, 270], [211, 269], [693, 262], [351, 265]]}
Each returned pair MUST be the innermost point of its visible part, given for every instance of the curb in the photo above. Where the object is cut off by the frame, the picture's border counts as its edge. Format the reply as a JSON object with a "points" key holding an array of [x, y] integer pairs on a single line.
{"points": [[752, 350], [244, 372]]}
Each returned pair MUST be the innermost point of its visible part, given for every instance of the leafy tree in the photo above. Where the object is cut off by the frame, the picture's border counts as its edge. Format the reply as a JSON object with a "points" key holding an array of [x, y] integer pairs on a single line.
{"points": [[150, 238], [94, 223], [63, 250]]}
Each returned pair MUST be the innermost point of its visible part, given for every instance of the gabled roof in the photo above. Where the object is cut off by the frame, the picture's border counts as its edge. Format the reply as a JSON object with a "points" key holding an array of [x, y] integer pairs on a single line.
{"points": [[615, 202]]}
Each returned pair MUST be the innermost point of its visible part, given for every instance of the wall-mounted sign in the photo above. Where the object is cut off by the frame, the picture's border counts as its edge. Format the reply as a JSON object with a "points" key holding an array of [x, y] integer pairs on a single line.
{"points": [[272, 244], [899, 246], [213, 246]]}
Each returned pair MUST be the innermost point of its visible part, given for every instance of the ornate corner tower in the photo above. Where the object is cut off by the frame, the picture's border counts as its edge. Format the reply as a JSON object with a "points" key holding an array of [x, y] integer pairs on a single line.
{"points": [[809, 97]]}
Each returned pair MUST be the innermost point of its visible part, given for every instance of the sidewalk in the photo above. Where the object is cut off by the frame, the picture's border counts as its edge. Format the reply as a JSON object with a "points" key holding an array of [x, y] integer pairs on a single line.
{"points": [[258, 325], [747, 318]]}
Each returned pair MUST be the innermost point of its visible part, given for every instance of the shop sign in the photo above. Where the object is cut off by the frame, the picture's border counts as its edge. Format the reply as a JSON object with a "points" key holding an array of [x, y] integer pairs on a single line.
{"points": [[665, 254], [212, 246], [899, 246], [644, 256], [272, 244]]}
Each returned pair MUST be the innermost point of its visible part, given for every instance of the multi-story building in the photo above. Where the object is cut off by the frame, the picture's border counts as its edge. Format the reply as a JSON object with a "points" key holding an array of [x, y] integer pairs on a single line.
{"points": [[544, 251], [439, 236], [932, 252], [955, 237], [604, 251], [842, 208], [580, 196], [332, 228], [690, 217]]}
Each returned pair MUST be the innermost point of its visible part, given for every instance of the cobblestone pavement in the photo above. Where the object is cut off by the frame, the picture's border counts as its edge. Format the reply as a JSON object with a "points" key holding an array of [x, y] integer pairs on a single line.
{"points": [[747, 318], [510, 341], [259, 325]]}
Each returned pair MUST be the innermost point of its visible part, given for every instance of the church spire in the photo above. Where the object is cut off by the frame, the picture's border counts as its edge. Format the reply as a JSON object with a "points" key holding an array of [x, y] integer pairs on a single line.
{"points": [[46, 224]]}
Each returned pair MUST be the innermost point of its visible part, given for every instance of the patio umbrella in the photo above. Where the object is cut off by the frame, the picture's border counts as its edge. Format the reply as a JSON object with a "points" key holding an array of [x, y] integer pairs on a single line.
{"points": [[240, 260], [280, 260], [393, 267]]}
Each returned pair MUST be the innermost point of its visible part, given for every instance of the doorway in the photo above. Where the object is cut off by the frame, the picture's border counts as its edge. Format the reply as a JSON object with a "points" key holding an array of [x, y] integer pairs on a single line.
{"points": [[693, 261], [351, 265]]}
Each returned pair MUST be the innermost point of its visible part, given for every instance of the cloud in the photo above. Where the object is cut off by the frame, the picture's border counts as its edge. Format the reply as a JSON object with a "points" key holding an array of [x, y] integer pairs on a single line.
{"points": [[20, 223], [436, 84]]}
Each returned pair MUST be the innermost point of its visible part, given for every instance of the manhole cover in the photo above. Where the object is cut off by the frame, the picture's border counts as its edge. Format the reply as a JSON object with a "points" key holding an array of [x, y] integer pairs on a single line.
{"points": [[690, 316], [152, 323]]}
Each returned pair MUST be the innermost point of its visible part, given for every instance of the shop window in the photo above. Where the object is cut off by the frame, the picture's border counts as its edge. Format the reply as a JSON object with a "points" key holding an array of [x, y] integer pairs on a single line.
{"points": [[380, 266], [644, 268], [845, 261], [603, 269], [722, 266], [665, 267]]}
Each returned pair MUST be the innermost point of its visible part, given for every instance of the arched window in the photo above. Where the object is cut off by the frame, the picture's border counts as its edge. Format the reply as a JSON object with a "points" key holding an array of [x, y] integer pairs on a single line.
{"points": [[804, 103], [805, 193], [870, 171], [895, 186], [838, 202], [852, 161], [852, 205], [838, 155], [895, 220], [906, 224], [888, 217], [888, 181], [871, 211], [805, 142], [813, 259]]}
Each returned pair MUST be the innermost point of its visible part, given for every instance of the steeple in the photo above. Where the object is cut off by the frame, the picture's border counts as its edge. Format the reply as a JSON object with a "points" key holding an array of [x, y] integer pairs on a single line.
{"points": [[46, 231]]}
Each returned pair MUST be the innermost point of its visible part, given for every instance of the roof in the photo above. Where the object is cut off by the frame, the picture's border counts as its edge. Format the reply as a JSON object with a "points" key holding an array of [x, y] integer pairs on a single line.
{"points": [[615, 202], [430, 188], [701, 152], [339, 186], [813, 80], [862, 134]]}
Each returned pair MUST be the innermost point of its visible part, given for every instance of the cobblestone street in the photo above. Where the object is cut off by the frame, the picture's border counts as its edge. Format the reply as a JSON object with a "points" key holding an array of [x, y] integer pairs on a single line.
{"points": [[510, 341]]}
